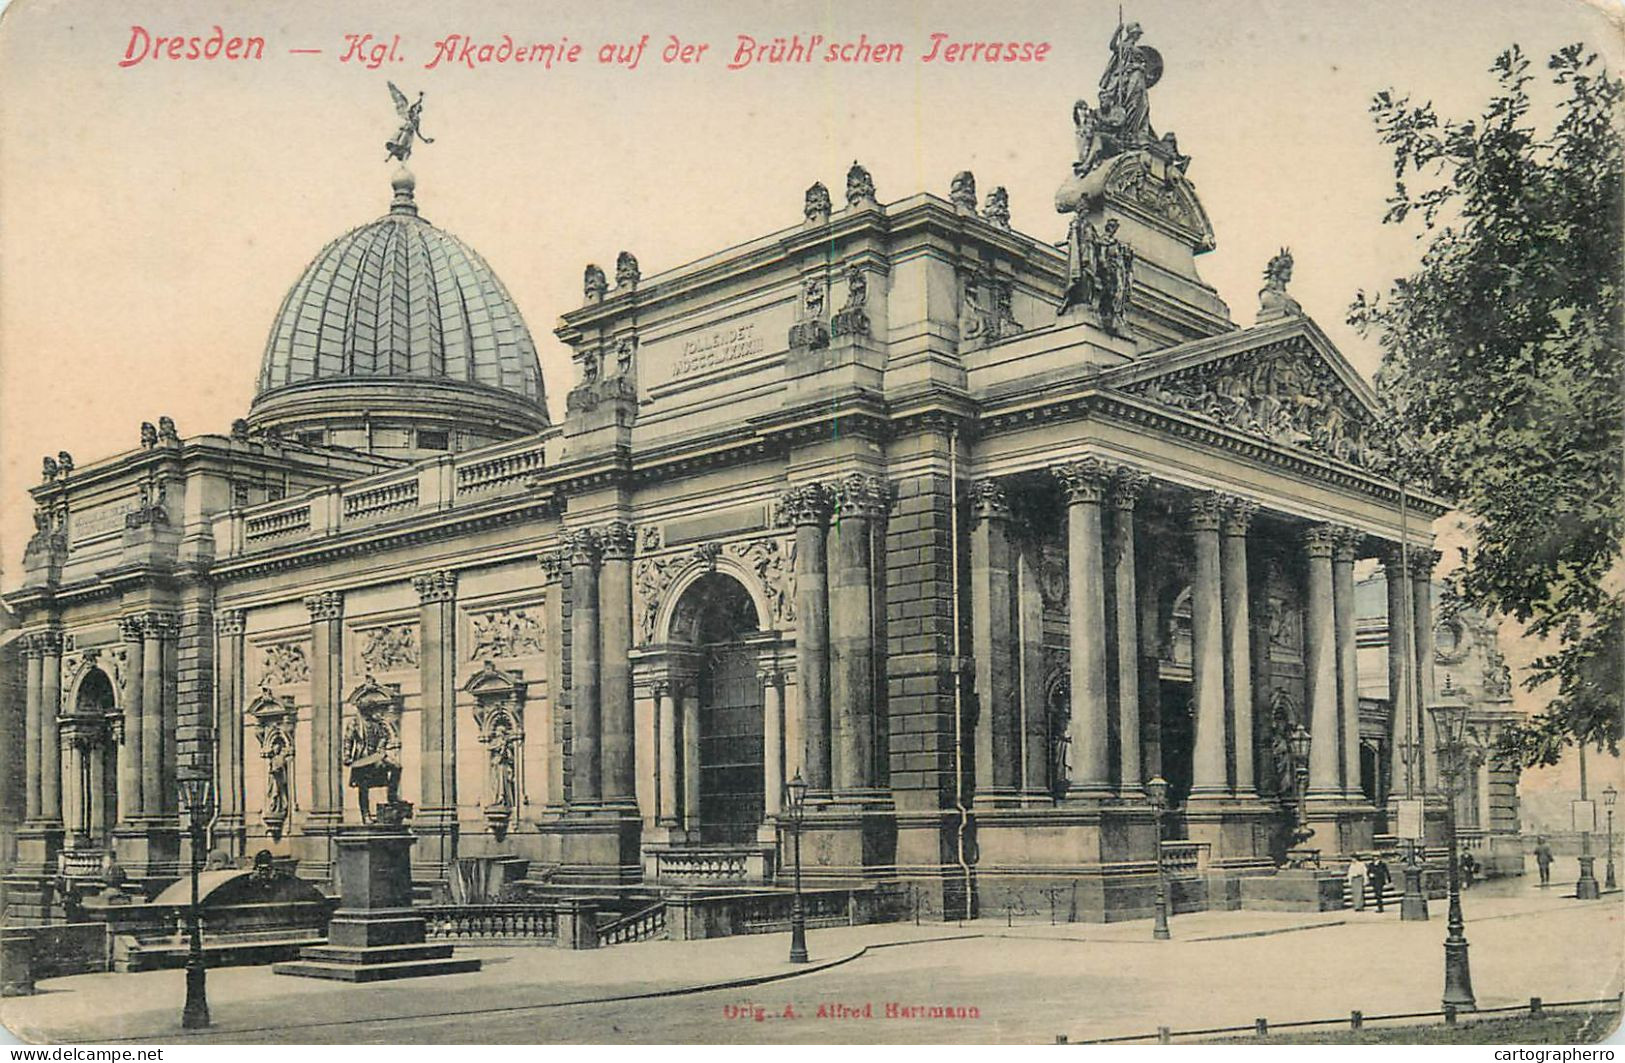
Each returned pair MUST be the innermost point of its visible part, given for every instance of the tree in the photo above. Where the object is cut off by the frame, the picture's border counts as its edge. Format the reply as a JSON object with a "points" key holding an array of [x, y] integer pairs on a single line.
{"points": [[1502, 362]]}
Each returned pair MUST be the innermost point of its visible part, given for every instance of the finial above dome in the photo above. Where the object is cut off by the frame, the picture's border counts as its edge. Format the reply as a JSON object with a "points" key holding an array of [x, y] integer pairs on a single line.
{"points": [[404, 184]]}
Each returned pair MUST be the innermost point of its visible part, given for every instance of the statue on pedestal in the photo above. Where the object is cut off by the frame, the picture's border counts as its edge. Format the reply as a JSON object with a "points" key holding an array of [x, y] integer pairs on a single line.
{"points": [[1100, 273], [372, 753]]}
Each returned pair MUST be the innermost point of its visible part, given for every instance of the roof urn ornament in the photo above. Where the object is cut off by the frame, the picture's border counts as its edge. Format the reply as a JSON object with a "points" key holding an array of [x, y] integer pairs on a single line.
{"points": [[594, 284], [860, 187], [962, 192], [1273, 301], [997, 207], [627, 273], [817, 206]]}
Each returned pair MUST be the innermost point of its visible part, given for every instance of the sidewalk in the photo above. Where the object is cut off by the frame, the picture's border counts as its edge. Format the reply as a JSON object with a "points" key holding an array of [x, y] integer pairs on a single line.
{"points": [[1216, 967]]}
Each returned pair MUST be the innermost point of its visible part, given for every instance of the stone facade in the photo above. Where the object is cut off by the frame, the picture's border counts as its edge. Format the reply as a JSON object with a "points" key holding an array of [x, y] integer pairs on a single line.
{"points": [[849, 502]]}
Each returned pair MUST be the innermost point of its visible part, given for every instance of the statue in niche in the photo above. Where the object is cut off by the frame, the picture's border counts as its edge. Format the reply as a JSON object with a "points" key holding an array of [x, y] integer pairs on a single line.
{"points": [[624, 350], [278, 754], [1060, 735], [813, 298], [501, 741], [1273, 301], [371, 752], [857, 288]]}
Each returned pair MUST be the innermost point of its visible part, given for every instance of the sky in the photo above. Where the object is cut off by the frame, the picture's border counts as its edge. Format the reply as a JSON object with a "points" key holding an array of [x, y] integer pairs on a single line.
{"points": [[153, 215]]}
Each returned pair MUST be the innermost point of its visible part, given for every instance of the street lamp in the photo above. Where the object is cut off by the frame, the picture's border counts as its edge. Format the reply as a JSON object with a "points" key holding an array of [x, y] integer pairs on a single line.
{"points": [[195, 796], [1298, 743], [1413, 901], [1609, 796], [1586, 889], [1157, 790], [1450, 723], [796, 793]]}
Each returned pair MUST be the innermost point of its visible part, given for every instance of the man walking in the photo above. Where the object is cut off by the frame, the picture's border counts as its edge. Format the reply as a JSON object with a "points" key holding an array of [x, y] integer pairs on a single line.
{"points": [[1377, 872], [1543, 860]]}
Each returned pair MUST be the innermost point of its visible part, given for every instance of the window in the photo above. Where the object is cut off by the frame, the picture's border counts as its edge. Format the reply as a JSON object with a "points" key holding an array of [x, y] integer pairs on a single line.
{"points": [[312, 439], [434, 440]]}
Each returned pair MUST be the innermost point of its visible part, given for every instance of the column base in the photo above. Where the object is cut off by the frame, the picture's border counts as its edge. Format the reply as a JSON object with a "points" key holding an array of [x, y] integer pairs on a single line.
{"points": [[596, 844], [1237, 830], [852, 835], [38, 844], [1341, 828]]}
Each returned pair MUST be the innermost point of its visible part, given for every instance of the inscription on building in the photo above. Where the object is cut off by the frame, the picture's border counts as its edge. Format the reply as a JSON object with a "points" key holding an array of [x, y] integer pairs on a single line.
{"points": [[99, 520], [718, 348]]}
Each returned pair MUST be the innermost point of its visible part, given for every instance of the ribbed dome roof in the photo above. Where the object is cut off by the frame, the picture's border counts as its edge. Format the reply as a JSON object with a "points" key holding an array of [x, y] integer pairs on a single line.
{"points": [[398, 297]]}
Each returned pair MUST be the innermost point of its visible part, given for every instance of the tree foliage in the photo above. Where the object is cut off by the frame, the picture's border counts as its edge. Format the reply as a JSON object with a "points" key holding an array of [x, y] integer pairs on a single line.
{"points": [[1502, 360]]}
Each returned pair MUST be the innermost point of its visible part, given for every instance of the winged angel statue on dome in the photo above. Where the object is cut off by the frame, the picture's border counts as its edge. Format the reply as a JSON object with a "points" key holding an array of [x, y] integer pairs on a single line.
{"points": [[411, 114]]}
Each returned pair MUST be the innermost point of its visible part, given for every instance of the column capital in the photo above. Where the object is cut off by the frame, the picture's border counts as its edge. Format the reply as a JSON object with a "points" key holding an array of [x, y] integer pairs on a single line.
{"points": [[437, 586], [770, 676], [860, 495], [1238, 515], [584, 545], [988, 501], [31, 646], [1421, 560], [328, 605], [1128, 483], [1318, 540], [228, 622], [129, 627], [159, 624], [1346, 544], [806, 504], [1206, 510], [48, 643], [617, 540], [1084, 480], [553, 563]]}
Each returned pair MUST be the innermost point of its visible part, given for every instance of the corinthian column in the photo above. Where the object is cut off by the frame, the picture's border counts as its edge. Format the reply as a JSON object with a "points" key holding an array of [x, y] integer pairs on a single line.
{"points": [[808, 506], [1344, 545], [154, 628], [130, 798], [1402, 709], [852, 637], [615, 623], [1238, 652], [1208, 769], [50, 643], [437, 675], [1085, 484], [1126, 490], [1320, 662], [326, 707], [33, 725], [229, 625], [998, 724], [1422, 561], [584, 671], [551, 723]]}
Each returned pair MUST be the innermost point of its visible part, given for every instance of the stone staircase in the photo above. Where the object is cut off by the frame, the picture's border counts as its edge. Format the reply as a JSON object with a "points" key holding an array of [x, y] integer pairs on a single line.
{"points": [[1390, 895]]}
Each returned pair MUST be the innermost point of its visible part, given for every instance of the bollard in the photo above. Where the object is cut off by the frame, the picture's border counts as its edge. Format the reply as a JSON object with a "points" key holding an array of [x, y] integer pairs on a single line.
{"points": [[1450, 1015], [1163, 1036], [1535, 1007], [1356, 1020], [1261, 1027]]}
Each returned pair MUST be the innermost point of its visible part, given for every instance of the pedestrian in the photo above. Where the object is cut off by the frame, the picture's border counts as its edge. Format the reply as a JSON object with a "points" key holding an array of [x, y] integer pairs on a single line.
{"points": [[1356, 878], [1543, 860], [1378, 874], [1469, 869]]}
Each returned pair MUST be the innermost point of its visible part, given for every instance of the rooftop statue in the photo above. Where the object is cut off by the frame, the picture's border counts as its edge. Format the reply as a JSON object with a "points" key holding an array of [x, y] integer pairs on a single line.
{"points": [[400, 148], [1122, 123], [1273, 301]]}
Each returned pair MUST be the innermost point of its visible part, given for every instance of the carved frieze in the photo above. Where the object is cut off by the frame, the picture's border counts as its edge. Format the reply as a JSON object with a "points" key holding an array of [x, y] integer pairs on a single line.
{"points": [[499, 634], [284, 663], [772, 561], [1281, 392], [650, 578], [390, 648]]}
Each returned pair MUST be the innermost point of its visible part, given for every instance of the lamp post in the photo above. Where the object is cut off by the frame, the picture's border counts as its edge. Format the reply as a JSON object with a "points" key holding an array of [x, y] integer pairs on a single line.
{"points": [[1450, 721], [796, 793], [1586, 889], [1413, 900], [1157, 791], [1609, 796], [1298, 743], [195, 787]]}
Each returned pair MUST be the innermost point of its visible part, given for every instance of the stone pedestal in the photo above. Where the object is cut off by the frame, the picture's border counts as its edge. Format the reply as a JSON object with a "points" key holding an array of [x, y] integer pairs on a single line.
{"points": [[374, 935]]}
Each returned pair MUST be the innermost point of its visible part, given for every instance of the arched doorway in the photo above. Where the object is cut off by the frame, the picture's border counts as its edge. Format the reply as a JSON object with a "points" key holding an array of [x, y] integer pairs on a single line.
{"points": [[723, 737]]}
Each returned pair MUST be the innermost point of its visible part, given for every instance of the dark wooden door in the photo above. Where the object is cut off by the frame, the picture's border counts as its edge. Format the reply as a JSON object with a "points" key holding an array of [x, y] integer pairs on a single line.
{"points": [[730, 746]]}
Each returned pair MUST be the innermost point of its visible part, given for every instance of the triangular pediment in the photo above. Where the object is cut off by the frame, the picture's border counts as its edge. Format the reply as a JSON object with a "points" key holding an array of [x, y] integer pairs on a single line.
{"points": [[1284, 382]]}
